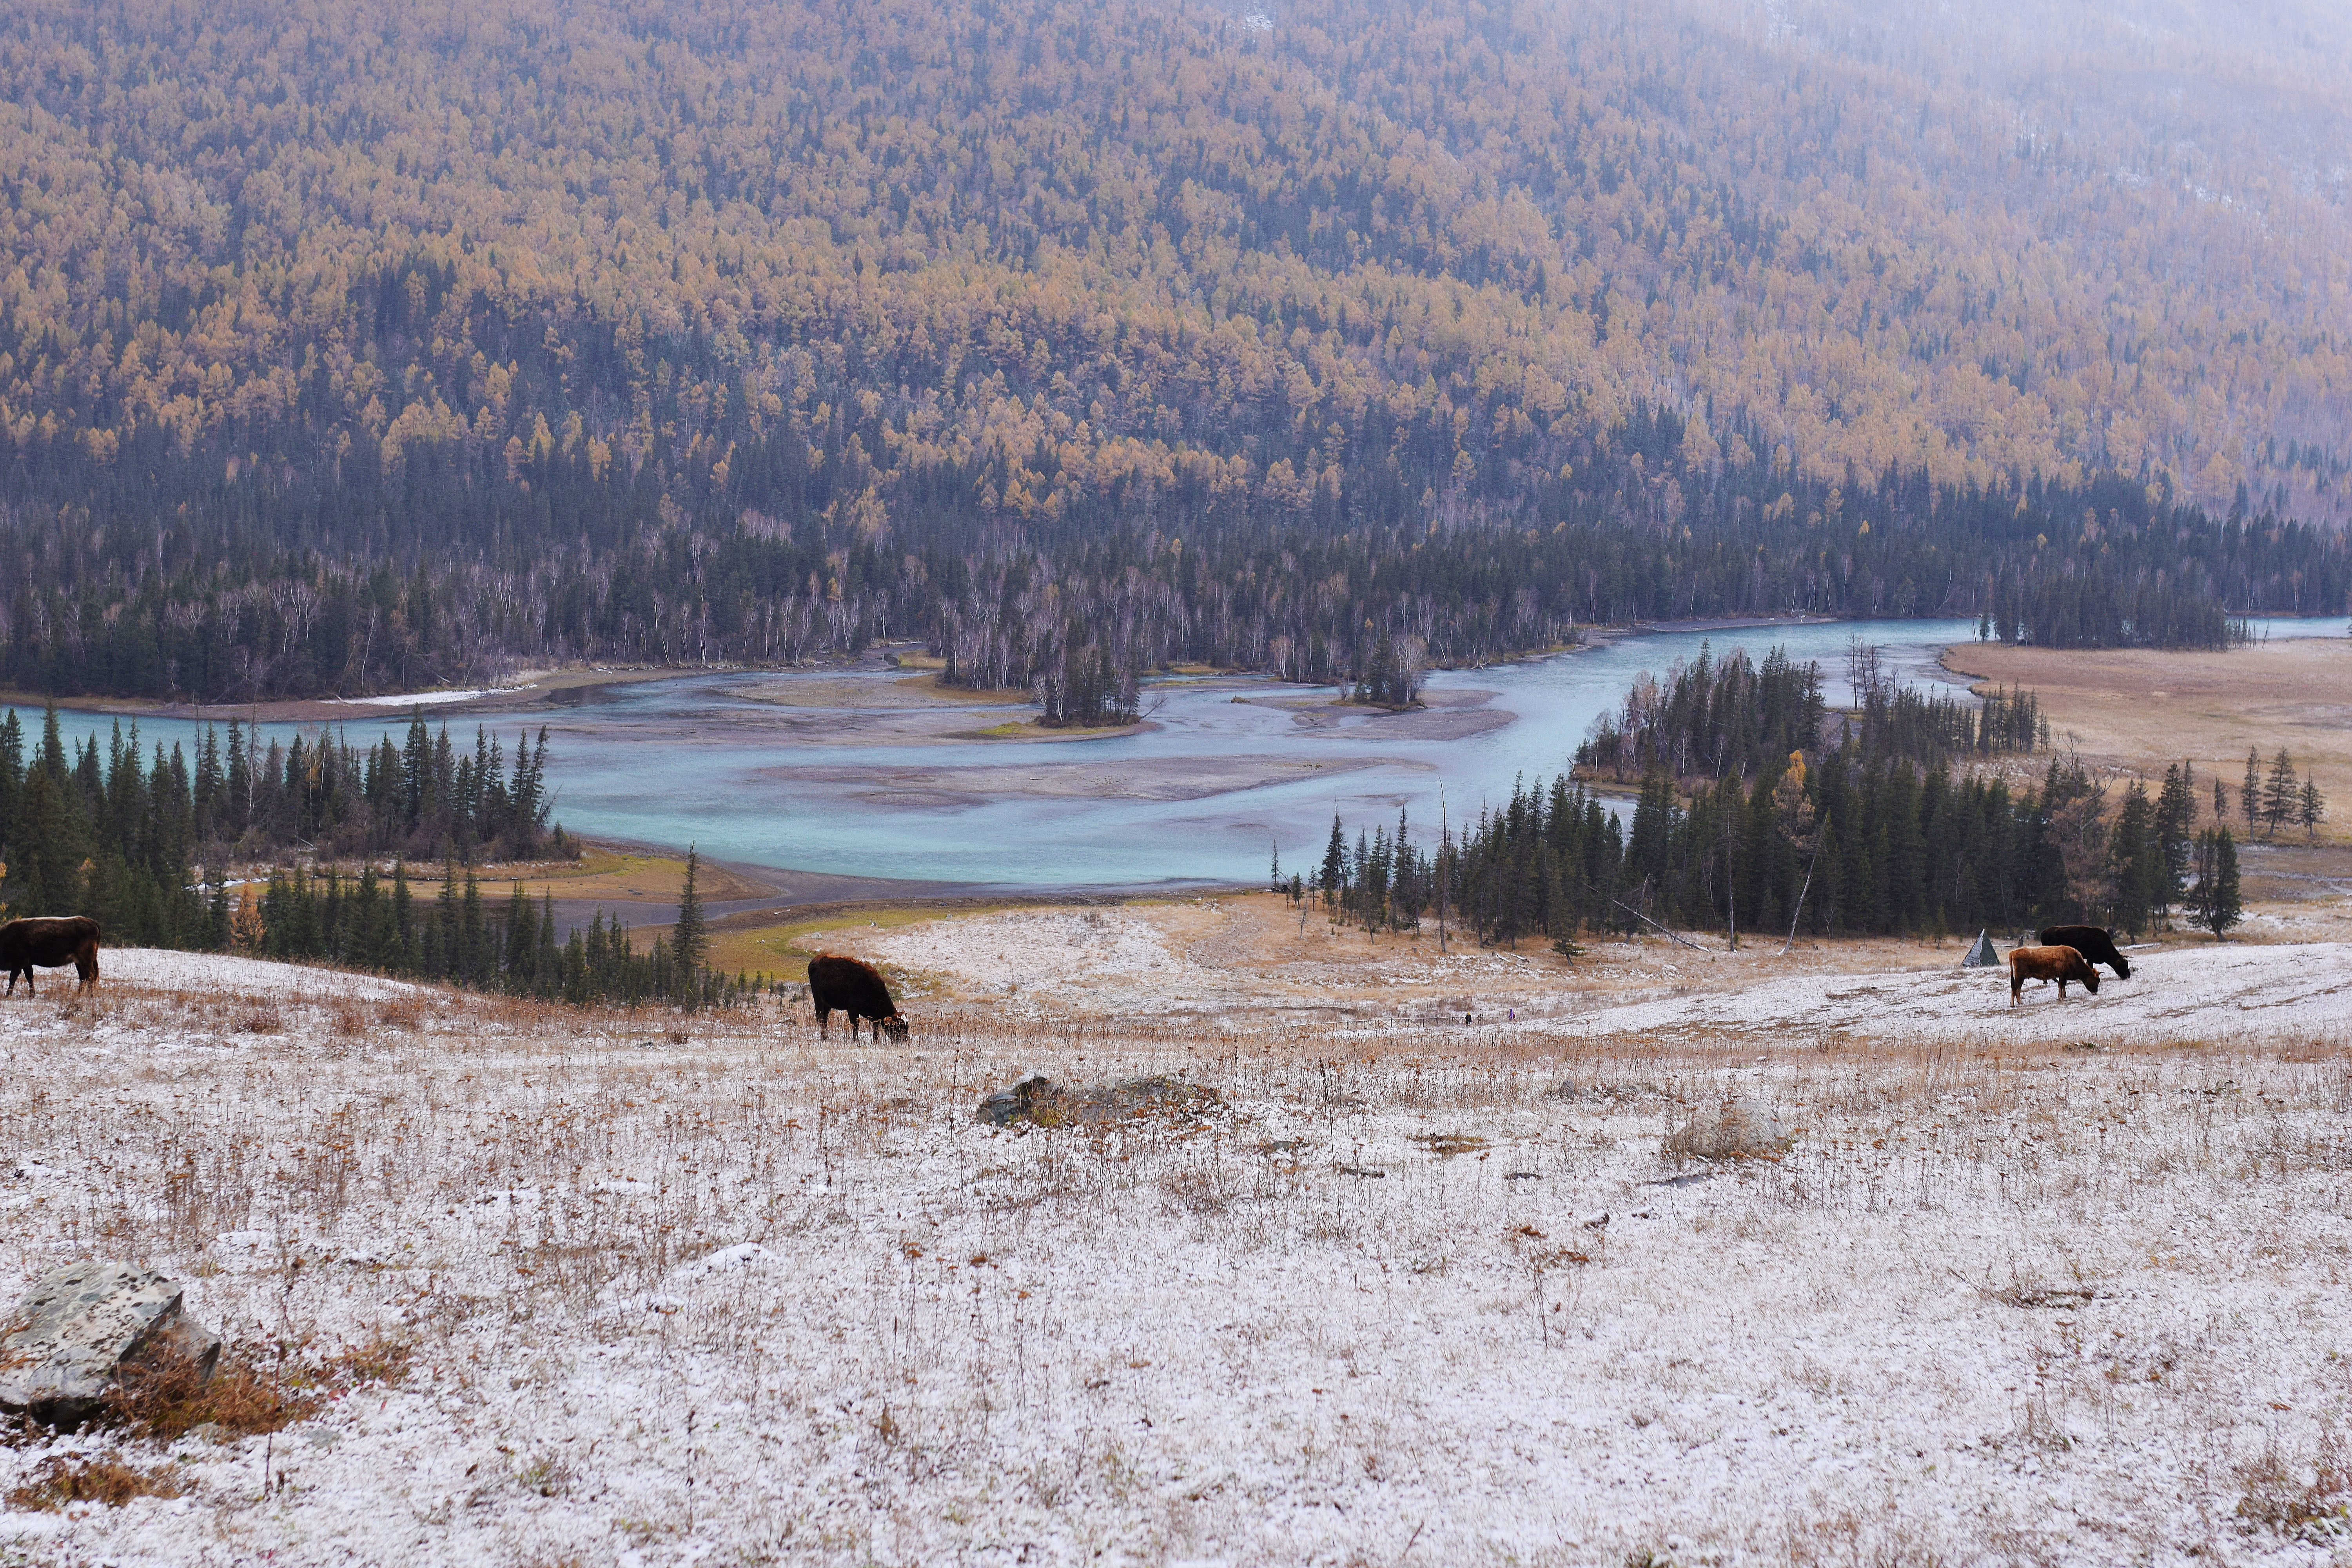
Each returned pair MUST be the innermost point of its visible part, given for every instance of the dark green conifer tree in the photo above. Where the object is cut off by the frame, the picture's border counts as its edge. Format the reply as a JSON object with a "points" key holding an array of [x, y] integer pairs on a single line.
{"points": [[2215, 899], [690, 940]]}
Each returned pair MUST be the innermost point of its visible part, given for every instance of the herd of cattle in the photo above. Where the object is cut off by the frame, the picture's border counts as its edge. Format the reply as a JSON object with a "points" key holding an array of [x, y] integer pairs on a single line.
{"points": [[852, 985]]}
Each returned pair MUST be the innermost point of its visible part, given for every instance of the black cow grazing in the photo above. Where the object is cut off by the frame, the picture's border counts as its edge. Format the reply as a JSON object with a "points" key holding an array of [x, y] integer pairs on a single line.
{"points": [[2095, 943], [49, 942], [856, 987], [2058, 964]]}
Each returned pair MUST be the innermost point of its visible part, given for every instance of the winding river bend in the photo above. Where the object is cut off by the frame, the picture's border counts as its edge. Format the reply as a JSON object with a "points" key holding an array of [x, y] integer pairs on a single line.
{"points": [[851, 775]]}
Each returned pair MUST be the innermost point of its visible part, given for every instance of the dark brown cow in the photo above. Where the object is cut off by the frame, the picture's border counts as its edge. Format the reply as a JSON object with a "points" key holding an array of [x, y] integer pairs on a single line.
{"points": [[2095, 943], [49, 942], [856, 987], [2058, 964]]}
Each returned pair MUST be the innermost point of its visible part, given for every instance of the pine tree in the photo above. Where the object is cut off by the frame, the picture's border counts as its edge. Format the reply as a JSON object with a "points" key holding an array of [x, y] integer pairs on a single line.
{"points": [[2215, 899], [1335, 863], [2310, 807], [2135, 861], [522, 939], [689, 942], [2282, 794], [2221, 801], [549, 969], [47, 872], [12, 773], [405, 958], [2176, 821], [474, 959], [2250, 794], [441, 930]]}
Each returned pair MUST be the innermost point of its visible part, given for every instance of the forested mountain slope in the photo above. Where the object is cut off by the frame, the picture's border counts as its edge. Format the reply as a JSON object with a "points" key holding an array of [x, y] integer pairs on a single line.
{"points": [[345, 345]]}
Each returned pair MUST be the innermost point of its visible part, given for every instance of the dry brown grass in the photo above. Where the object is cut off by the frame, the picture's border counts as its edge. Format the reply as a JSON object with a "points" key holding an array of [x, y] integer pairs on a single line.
{"points": [[60, 1481], [2140, 710], [169, 1398]]}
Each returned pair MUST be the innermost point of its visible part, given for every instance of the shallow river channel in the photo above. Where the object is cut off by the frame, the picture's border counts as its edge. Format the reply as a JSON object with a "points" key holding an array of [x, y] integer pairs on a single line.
{"points": [[850, 773]]}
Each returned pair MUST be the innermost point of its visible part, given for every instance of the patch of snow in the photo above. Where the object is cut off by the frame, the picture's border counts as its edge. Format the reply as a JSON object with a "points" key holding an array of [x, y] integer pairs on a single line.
{"points": [[162, 969], [725, 1260], [428, 698], [2183, 992]]}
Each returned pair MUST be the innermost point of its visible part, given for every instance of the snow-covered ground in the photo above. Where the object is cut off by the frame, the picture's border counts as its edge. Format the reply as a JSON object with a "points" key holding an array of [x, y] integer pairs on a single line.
{"points": [[2184, 994], [428, 698], [738, 1297], [160, 968], [1130, 963]]}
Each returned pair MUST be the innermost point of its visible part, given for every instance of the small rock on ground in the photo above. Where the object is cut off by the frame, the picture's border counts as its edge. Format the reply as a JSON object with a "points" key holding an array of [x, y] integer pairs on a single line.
{"points": [[1041, 1102]]}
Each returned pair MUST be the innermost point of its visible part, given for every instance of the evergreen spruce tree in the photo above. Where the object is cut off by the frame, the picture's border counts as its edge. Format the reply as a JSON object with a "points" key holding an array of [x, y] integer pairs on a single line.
{"points": [[441, 928], [47, 871], [2215, 899], [2310, 806], [2135, 860], [403, 958], [12, 775], [2249, 795], [689, 942], [474, 960], [1335, 863], [2282, 794], [548, 975], [2176, 839], [523, 940]]}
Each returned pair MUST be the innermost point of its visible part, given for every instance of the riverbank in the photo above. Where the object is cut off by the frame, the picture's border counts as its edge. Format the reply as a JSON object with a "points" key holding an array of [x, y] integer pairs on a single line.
{"points": [[542, 689]]}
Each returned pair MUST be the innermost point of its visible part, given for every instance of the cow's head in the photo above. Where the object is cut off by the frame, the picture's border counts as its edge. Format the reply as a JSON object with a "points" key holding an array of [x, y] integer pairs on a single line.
{"points": [[895, 1026], [2090, 978]]}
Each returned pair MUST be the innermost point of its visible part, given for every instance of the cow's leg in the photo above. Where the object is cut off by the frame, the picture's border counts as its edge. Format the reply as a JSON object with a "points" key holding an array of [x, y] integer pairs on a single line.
{"points": [[824, 1023], [2016, 987], [2062, 988]]}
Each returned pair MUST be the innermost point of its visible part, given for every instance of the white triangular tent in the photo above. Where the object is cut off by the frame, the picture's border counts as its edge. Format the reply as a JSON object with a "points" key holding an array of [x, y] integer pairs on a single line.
{"points": [[1982, 956]]}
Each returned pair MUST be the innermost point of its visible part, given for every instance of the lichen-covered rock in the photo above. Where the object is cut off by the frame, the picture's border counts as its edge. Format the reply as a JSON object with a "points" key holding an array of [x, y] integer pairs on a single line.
{"points": [[72, 1332], [1041, 1102]]}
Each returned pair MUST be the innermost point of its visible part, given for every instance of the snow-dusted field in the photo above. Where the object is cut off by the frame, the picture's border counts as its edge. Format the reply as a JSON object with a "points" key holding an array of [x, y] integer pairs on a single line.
{"points": [[222, 975], [2182, 994], [738, 1297]]}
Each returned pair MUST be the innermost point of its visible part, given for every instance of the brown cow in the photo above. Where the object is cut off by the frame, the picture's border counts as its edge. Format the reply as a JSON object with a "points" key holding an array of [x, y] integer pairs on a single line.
{"points": [[856, 987], [2058, 964], [51, 941]]}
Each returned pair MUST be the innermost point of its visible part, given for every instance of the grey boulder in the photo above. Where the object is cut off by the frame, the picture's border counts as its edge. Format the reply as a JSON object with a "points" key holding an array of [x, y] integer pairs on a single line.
{"points": [[70, 1334]]}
